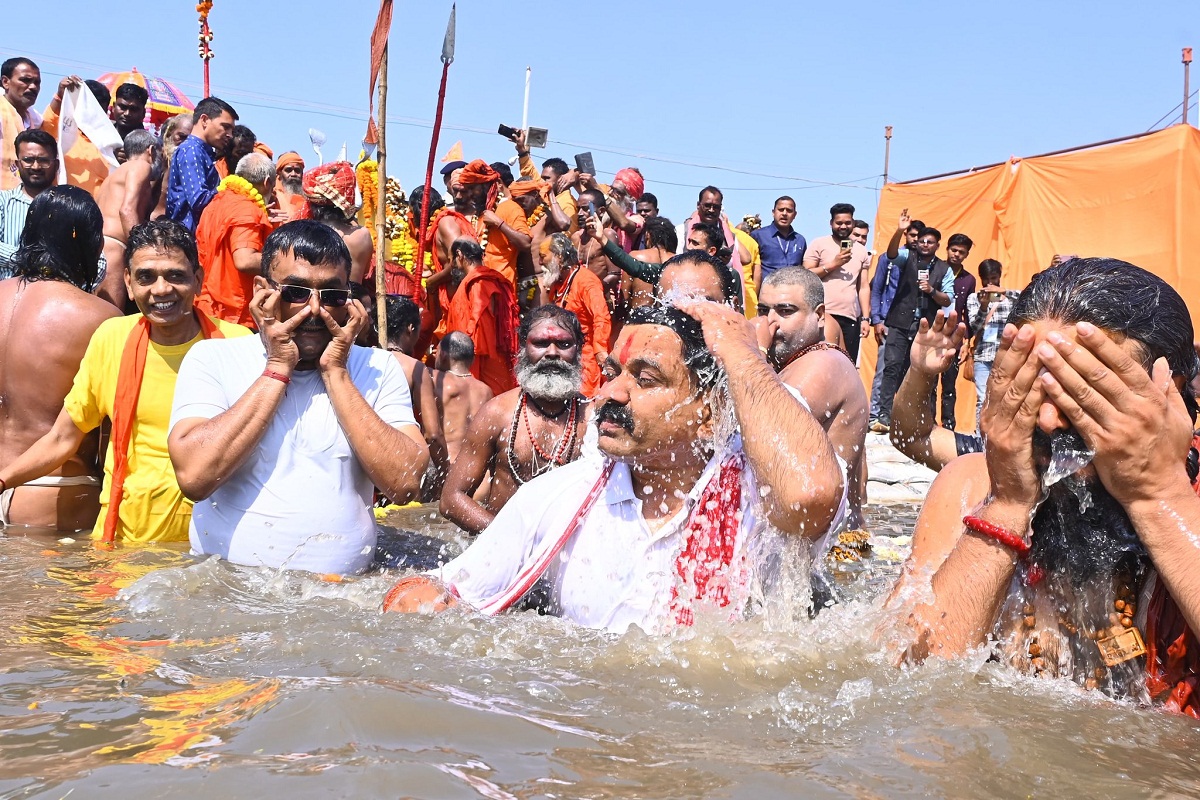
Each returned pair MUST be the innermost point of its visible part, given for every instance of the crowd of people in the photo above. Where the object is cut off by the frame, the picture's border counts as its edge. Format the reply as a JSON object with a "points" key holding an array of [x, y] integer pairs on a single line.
{"points": [[632, 417]]}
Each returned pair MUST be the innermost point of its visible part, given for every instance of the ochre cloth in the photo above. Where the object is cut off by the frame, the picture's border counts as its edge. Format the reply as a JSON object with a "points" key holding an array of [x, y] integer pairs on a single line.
{"points": [[582, 293], [86, 167], [221, 167], [522, 188], [292, 204], [153, 509], [500, 254], [478, 172], [289, 158], [465, 230], [1100, 201], [485, 308], [11, 124], [231, 222], [262, 147], [331, 185]]}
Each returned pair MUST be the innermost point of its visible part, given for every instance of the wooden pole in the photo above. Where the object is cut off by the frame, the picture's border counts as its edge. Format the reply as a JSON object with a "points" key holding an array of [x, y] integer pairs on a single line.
{"points": [[887, 150], [381, 248]]}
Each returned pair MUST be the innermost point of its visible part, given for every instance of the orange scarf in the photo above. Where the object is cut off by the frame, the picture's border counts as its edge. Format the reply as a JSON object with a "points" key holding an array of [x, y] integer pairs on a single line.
{"points": [[129, 389], [12, 124]]}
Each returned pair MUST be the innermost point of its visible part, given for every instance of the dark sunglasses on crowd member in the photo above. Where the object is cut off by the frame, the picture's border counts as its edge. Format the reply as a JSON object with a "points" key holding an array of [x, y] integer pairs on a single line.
{"points": [[298, 295]]}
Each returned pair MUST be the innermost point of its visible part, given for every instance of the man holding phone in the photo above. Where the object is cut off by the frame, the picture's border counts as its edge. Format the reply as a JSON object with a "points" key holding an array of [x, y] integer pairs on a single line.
{"points": [[843, 266], [987, 314]]}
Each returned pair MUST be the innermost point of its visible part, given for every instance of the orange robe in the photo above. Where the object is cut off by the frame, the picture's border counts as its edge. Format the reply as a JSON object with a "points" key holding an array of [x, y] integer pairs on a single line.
{"points": [[293, 204], [231, 222], [465, 229], [500, 254], [582, 293], [86, 168], [485, 308]]}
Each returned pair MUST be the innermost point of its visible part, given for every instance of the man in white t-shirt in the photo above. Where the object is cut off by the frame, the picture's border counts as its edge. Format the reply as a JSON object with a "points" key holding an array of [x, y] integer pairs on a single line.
{"points": [[280, 438], [664, 521]]}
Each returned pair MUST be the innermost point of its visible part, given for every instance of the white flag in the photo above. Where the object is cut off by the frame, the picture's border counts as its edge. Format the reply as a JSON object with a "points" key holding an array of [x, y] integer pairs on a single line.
{"points": [[81, 112]]}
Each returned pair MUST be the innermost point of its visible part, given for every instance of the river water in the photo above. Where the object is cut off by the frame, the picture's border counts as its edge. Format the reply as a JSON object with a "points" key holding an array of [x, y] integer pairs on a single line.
{"points": [[147, 672]]}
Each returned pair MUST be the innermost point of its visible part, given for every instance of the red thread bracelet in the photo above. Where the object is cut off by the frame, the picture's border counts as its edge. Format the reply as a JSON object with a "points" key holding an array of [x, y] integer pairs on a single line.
{"points": [[1002, 535], [279, 376]]}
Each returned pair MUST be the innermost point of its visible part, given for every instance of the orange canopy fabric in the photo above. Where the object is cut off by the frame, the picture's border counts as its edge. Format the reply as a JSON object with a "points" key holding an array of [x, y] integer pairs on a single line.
{"points": [[1136, 200]]}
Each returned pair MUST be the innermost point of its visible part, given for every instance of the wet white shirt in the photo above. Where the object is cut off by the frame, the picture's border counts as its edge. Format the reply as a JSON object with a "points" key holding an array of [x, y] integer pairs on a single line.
{"points": [[301, 500], [615, 571]]}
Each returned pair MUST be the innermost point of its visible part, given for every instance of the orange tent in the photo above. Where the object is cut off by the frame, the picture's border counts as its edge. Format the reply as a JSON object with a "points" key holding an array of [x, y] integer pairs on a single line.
{"points": [[1137, 200]]}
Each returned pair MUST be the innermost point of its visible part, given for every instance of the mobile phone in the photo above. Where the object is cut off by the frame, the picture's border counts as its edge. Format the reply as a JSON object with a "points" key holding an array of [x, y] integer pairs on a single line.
{"points": [[585, 163], [592, 208], [506, 132], [847, 244]]}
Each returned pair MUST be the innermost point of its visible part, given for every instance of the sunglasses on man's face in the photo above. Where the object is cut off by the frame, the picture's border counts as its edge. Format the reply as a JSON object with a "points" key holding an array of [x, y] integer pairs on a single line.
{"points": [[299, 295]]}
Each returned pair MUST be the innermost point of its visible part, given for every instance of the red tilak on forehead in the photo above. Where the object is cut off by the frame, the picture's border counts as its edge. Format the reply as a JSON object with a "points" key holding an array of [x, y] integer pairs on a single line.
{"points": [[626, 348]]}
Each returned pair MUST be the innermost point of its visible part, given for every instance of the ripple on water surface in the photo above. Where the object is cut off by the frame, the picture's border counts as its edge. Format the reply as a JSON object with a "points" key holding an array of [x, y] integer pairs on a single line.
{"points": [[148, 672]]}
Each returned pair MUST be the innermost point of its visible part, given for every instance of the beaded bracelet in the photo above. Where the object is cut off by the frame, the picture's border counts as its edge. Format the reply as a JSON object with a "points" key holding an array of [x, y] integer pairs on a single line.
{"points": [[1004, 536]]}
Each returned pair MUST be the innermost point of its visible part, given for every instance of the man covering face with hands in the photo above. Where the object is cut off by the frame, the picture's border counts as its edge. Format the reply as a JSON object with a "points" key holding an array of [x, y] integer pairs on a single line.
{"points": [[280, 438]]}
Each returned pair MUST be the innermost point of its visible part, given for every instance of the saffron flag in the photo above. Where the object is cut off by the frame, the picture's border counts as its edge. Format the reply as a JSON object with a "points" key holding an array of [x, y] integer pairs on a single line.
{"points": [[379, 40]]}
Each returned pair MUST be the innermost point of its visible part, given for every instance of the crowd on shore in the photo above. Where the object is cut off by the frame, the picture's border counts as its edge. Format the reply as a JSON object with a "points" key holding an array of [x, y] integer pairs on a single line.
{"points": [[631, 416]]}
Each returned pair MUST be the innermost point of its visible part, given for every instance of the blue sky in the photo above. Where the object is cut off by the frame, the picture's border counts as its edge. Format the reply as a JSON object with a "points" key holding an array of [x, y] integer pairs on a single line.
{"points": [[783, 96]]}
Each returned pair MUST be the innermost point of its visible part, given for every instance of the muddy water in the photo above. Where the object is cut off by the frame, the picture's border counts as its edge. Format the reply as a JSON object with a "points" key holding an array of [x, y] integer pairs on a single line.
{"points": [[140, 673]]}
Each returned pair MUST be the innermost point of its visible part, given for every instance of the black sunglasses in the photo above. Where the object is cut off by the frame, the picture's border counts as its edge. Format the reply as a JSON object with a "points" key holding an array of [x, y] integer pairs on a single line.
{"points": [[298, 295]]}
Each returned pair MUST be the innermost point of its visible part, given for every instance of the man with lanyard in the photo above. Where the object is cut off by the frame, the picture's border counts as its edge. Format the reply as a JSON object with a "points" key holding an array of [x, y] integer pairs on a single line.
{"points": [[528, 431], [883, 291], [128, 376], [926, 284], [670, 521], [779, 244]]}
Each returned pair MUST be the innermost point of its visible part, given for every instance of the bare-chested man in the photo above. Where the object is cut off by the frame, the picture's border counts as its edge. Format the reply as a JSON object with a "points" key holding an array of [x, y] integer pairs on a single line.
{"points": [[791, 306], [329, 190], [126, 199], [527, 431], [591, 249], [458, 397], [47, 318]]}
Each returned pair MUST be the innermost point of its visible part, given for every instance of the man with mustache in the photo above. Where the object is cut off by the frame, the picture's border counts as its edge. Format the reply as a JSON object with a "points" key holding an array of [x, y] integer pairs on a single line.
{"points": [[672, 519], [1095, 579], [289, 189], [527, 431], [281, 438]]}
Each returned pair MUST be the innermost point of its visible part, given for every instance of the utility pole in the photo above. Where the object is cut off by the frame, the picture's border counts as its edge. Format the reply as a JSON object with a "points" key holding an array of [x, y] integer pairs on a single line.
{"points": [[1187, 67], [887, 150]]}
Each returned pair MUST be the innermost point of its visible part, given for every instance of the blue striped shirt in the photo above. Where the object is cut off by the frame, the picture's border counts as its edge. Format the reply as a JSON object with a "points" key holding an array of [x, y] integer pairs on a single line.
{"points": [[14, 208]]}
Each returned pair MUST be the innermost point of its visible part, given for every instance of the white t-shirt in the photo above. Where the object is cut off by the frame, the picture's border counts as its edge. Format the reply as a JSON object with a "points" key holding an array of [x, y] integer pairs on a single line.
{"points": [[301, 500]]}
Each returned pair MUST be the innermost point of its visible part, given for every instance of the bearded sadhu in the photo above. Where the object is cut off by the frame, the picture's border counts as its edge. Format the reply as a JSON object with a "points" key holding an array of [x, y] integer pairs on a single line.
{"points": [[1070, 545]]}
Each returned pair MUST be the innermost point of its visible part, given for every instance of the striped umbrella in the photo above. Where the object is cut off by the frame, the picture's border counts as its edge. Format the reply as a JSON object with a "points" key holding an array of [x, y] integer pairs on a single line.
{"points": [[166, 100]]}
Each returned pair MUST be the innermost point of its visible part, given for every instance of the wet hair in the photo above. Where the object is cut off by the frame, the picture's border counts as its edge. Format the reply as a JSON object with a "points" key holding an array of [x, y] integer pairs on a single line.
{"points": [[559, 246], [647, 197], [557, 166], [133, 93], [418, 197], [861, 223], [814, 289], [506, 176], [709, 190], [100, 92], [307, 239], [457, 346], [779, 200], [402, 314], [696, 356], [840, 208], [39, 137], [960, 239], [162, 234], [468, 248], [931, 231], [730, 282], [10, 66], [1119, 298], [562, 317], [661, 233], [62, 240], [990, 266], [256, 168], [212, 107], [139, 141]]}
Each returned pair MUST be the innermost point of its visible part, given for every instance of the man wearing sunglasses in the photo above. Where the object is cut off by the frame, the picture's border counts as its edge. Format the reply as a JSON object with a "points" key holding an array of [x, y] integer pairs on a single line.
{"points": [[281, 438]]}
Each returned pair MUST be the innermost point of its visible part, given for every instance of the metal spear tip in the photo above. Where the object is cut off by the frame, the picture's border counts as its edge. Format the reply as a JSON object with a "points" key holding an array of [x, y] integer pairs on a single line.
{"points": [[448, 42]]}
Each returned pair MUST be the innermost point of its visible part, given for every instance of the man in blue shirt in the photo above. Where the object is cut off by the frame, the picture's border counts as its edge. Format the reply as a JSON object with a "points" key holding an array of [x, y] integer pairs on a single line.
{"points": [[192, 181], [883, 290], [778, 244]]}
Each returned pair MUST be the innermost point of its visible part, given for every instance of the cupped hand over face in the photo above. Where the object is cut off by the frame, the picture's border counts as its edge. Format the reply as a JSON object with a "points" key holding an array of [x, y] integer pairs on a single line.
{"points": [[277, 336], [337, 352], [1009, 416]]}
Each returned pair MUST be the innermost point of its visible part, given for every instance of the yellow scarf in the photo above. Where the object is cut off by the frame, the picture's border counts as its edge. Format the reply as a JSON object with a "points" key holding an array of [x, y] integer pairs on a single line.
{"points": [[11, 124]]}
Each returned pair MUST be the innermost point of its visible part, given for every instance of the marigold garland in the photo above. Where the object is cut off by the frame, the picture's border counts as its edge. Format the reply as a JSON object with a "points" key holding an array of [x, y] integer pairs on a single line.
{"points": [[239, 185], [536, 216]]}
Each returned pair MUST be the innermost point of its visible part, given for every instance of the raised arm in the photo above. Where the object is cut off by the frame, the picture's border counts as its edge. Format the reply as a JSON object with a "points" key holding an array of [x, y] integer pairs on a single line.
{"points": [[893, 248], [643, 271], [394, 458], [913, 432], [786, 446]]}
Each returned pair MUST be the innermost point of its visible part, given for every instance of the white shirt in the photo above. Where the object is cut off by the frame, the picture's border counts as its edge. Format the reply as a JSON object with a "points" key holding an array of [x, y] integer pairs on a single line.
{"points": [[614, 572], [301, 500]]}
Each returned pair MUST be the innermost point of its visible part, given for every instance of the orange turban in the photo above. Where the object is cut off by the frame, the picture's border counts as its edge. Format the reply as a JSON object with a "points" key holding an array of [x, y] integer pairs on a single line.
{"points": [[261, 147], [289, 158], [331, 185], [478, 172], [632, 180], [523, 187]]}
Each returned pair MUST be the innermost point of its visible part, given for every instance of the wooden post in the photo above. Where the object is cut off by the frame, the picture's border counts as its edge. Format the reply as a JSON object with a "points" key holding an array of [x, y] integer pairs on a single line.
{"points": [[381, 248]]}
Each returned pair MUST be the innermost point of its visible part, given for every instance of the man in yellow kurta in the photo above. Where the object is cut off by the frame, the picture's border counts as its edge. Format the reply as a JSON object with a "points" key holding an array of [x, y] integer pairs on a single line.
{"points": [[128, 375]]}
